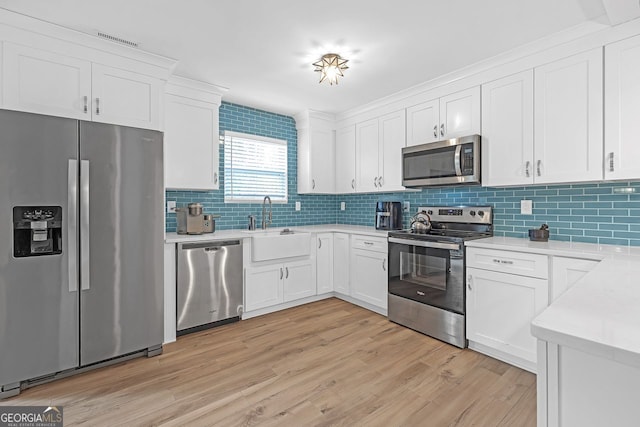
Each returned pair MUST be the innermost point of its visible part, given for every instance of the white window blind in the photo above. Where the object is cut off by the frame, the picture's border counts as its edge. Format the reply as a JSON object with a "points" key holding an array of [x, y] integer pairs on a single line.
{"points": [[254, 167]]}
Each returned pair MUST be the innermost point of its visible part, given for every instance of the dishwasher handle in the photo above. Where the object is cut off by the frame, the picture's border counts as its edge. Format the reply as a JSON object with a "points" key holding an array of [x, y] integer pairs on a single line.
{"points": [[210, 246]]}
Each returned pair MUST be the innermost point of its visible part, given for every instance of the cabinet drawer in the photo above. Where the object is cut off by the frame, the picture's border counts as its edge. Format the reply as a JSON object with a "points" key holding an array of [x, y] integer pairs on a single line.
{"points": [[521, 263], [376, 244]]}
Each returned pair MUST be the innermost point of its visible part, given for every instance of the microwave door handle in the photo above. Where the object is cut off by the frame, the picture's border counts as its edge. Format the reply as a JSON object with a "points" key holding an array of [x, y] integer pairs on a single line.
{"points": [[456, 160]]}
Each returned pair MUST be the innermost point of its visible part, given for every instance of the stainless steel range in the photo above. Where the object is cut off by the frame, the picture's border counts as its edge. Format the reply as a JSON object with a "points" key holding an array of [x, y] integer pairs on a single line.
{"points": [[427, 270]]}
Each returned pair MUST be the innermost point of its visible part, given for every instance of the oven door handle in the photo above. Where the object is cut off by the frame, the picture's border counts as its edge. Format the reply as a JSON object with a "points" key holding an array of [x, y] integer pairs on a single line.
{"points": [[426, 244]]}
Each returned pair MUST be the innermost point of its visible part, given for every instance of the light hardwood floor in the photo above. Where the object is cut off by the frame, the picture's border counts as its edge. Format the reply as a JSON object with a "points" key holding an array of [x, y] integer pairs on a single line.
{"points": [[321, 364]]}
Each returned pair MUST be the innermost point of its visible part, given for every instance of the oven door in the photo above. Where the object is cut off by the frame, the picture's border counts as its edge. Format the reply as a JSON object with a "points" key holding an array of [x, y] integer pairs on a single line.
{"points": [[428, 272]]}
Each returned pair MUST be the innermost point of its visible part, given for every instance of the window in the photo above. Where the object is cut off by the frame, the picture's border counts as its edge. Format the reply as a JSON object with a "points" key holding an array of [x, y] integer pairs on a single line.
{"points": [[254, 167]]}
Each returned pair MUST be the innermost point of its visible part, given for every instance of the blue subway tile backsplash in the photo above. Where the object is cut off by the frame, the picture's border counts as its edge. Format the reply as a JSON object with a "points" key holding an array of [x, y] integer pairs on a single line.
{"points": [[591, 213]]}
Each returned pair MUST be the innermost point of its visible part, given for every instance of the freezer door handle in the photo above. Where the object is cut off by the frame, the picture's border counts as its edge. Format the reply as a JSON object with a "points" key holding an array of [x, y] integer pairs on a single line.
{"points": [[85, 268], [72, 231]]}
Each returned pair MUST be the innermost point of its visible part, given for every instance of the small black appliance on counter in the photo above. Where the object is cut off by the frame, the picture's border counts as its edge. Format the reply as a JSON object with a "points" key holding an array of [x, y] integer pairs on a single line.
{"points": [[388, 216]]}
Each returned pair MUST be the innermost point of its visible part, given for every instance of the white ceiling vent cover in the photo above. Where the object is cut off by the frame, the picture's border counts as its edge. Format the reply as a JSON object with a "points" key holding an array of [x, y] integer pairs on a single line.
{"points": [[117, 39]]}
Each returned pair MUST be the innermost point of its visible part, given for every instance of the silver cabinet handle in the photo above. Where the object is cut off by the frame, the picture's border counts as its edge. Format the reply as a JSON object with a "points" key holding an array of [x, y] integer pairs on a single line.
{"points": [[368, 243], [319, 243], [384, 264], [611, 166], [442, 129], [375, 181], [380, 182], [313, 184], [527, 172], [281, 273], [215, 177], [287, 276], [85, 256], [502, 261], [435, 131], [86, 105], [97, 106], [470, 283], [72, 231], [353, 184], [538, 165]]}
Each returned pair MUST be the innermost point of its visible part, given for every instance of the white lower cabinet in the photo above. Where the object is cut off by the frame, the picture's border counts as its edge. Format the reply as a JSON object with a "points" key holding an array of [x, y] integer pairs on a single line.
{"points": [[341, 263], [263, 286], [369, 271], [501, 304], [274, 284], [324, 263]]}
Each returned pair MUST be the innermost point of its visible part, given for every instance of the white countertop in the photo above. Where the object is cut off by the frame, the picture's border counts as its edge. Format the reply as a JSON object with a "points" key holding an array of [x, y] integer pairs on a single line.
{"points": [[241, 234], [600, 314]]}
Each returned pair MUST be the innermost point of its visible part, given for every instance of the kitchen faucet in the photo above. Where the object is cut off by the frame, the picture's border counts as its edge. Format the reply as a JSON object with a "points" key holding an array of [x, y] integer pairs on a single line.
{"points": [[265, 224]]}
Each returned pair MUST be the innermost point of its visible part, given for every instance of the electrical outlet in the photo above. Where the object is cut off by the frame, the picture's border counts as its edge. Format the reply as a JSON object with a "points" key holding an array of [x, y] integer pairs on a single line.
{"points": [[297, 206], [343, 206], [171, 206], [407, 207], [526, 207]]}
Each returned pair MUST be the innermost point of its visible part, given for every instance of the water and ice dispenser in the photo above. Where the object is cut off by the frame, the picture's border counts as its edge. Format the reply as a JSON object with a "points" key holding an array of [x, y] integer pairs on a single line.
{"points": [[37, 230]]}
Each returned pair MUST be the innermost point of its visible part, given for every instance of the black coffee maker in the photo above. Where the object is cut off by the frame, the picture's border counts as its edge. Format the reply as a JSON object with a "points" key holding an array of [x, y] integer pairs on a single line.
{"points": [[388, 216]]}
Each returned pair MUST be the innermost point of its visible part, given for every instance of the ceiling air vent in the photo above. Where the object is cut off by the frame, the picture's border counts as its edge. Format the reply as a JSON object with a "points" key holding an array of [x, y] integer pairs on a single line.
{"points": [[117, 39]]}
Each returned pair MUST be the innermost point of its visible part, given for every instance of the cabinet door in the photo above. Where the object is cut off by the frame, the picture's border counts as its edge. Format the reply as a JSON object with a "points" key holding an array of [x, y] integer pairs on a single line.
{"points": [[423, 123], [46, 83], [460, 113], [568, 119], [392, 139], [622, 109], [324, 263], [263, 286], [191, 144], [507, 130], [500, 308], [341, 263], [322, 161], [346, 160], [299, 280], [369, 277], [565, 272], [125, 98], [367, 156]]}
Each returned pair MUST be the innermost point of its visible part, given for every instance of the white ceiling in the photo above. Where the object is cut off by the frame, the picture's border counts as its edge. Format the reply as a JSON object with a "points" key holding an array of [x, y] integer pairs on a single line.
{"points": [[262, 50]]}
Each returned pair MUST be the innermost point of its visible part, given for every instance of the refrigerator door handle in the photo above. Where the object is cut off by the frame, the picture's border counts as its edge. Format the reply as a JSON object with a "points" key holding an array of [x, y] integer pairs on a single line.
{"points": [[84, 226], [72, 231]]}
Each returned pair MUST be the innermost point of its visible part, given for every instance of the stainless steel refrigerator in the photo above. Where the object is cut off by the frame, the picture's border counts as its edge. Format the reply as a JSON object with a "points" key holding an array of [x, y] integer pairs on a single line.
{"points": [[81, 235]]}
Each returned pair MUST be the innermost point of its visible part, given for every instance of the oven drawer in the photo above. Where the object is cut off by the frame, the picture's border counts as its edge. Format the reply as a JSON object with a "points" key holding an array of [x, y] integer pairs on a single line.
{"points": [[520, 263], [369, 243]]}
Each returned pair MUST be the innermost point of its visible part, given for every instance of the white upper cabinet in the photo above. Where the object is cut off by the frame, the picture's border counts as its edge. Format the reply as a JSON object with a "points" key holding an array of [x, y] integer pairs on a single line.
{"points": [[568, 119], [622, 109], [125, 98], [51, 83], [507, 131], [316, 153], [346, 160], [367, 156], [191, 135], [451, 116], [44, 82], [379, 145], [419, 119]]}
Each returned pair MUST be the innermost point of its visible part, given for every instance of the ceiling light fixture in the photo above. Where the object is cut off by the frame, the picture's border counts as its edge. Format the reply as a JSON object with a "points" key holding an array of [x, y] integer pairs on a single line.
{"points": [[331, 65]]}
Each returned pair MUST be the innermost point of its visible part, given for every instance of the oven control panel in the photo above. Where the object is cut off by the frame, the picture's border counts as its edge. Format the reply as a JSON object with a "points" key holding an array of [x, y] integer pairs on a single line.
{"points": [[462, 214]]}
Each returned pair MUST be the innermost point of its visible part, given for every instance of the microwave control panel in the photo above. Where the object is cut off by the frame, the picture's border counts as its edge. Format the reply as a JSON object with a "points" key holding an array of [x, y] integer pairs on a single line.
{"points": [[467, 159]]}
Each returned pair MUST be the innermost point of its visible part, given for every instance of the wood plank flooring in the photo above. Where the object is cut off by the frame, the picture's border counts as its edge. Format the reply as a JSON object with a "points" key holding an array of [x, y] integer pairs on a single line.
{"points": [[322, 364]]}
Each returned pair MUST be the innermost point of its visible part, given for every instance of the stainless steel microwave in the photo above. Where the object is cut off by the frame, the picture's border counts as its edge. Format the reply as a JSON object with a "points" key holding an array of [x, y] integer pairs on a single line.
{"points": [[449, 162]]}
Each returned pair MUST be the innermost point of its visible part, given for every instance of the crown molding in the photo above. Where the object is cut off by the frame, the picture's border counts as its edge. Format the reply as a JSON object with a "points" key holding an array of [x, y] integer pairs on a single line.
{"points": [[195, 89]]}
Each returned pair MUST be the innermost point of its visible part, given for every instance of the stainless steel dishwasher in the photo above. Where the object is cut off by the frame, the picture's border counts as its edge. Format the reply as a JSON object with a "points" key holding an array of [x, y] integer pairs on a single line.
{"points": [[209, 284]]}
